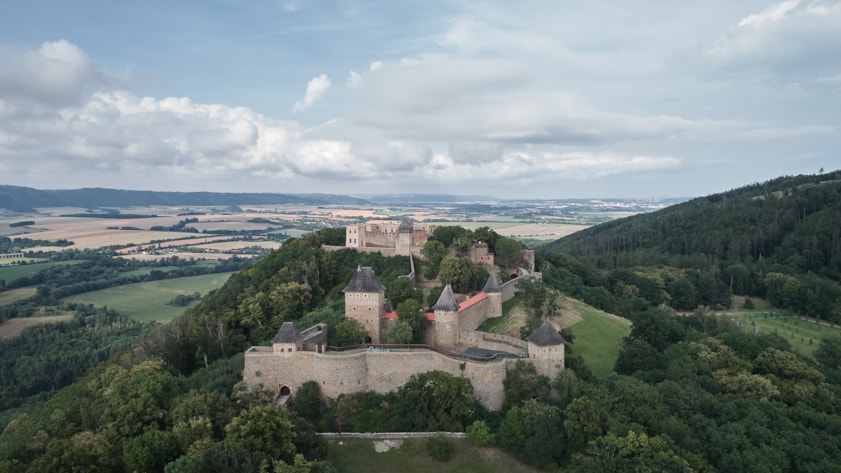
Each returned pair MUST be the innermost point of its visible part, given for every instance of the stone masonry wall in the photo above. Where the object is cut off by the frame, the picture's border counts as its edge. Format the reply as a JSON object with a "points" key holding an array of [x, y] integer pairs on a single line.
{"points": [[346, 373], [493, 341]]}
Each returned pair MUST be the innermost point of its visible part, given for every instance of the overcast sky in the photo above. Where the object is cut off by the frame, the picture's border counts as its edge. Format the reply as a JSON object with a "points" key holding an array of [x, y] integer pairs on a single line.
{"points": [[553, 99]]}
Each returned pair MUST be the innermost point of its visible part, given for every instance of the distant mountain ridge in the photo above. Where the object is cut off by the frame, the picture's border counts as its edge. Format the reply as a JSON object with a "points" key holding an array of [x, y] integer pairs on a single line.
{"points": [[27, 199]]}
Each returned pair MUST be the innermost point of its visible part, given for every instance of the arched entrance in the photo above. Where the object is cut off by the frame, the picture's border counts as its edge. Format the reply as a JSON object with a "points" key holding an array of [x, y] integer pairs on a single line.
{"points": [[285, 391]]}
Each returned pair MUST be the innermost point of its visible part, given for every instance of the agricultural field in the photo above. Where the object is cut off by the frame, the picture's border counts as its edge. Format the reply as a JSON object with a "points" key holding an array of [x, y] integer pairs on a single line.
{"points": [[148, 300], [12, 295], [12, 327], [518, 230], [358, 455], [10, 273]]}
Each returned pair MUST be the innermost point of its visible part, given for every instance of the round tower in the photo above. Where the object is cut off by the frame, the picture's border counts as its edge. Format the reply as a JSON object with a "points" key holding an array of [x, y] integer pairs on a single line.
{"points": [[446, 319], [494, 292]]}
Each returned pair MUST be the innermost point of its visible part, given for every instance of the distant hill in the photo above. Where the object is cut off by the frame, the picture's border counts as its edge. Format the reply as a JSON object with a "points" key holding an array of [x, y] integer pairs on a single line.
{"points": [[26, 199], [793, 221], [417, 199]]}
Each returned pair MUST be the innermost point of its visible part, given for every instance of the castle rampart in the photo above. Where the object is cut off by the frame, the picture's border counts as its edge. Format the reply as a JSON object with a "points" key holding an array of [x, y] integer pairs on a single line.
{"points": [[296, 357], [380, 371]]}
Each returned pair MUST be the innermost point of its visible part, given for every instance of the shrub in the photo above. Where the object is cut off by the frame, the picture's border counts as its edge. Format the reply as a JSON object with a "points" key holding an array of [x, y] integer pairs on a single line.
{"points": [[439, 447]]}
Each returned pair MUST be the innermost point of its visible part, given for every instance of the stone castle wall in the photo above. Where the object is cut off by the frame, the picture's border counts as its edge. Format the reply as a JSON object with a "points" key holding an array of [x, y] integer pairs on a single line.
{"points": [[493, 341], [470, 318], [348, 373]]}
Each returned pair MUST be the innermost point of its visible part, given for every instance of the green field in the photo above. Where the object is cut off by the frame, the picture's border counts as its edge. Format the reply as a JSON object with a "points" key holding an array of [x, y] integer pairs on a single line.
{"points": [[148, 300], [358, 455], [598, 338], [803, 335], [10, 273]]}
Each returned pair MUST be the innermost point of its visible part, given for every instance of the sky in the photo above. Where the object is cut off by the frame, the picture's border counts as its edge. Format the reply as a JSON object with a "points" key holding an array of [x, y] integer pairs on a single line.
{"points": [[530, 99]]}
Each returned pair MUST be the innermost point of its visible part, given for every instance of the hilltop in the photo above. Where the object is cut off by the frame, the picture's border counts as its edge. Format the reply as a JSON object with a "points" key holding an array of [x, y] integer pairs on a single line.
{"points": [[778, 240]]}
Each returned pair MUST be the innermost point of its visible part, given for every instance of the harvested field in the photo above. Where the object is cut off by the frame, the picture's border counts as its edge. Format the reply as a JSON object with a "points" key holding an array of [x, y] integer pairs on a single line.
{"points": [[12, 295], [237, 245], [13, 327]]}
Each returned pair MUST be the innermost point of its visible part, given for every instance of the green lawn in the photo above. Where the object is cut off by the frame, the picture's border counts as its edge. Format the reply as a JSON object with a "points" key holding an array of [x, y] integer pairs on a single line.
{"points": [[10, 273], [358, 456], [598, 338], [804, 336], [148, 300]]}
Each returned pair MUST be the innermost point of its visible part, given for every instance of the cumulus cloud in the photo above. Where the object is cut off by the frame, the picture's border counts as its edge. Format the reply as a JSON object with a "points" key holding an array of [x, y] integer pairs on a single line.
{"points": [[316, 88], [57, 73]]}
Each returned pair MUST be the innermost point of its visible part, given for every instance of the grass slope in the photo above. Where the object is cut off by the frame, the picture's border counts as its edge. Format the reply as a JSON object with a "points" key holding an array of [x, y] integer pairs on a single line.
{"points": [[598, 338], [148, 300], [358, 455]]}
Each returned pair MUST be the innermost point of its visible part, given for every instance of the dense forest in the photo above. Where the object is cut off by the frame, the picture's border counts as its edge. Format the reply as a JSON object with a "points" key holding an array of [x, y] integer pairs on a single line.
{"points": [[779, 240], [689, 393]]}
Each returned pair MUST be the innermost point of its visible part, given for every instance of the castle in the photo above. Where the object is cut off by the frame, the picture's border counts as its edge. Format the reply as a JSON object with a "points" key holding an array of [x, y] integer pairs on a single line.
{"points": [[453, 345], [403, 239]]}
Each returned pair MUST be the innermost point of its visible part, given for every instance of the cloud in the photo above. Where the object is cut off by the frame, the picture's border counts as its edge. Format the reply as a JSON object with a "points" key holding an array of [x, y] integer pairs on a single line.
{"points": [[57, 73], [791, 41], [315, 90]]}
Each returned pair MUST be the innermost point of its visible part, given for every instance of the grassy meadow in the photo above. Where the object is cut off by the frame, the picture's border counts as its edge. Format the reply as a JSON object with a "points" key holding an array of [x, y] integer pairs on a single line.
{"points": [[10, 273], [803, 335], [12, 295], [598, 338], [358, 455], [148, 300]]}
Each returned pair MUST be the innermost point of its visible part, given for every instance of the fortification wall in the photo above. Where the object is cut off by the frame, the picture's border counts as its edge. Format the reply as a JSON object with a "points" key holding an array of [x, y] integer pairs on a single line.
{"points": [[384, 251], [470, 318], [493, 341], [347, 373]]}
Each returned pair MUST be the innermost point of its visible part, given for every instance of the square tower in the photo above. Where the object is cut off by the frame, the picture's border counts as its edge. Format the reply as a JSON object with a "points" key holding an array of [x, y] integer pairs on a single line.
{"points": [[365, 301]]}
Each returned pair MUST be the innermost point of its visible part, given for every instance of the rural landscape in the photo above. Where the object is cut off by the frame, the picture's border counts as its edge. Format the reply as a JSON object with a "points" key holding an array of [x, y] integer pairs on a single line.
{"points": [[338, 236], [124, 329]]}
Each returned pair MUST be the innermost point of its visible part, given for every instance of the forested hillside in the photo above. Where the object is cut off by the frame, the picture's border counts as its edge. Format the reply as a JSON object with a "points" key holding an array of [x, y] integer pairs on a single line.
{"points": [[690, 394], [779, 240]]}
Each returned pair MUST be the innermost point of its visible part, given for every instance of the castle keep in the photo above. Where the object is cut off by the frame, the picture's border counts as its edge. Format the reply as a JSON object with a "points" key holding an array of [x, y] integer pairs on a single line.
{"points": [[388, 237], [296, 357]]}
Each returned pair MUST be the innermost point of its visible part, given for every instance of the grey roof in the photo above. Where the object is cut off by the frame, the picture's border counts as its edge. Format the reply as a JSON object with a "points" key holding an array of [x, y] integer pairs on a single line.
{"points": [[405, 225], [492, 285], [364, 280], [447, 301], [388, 307], [546, 335], [287, 334]]}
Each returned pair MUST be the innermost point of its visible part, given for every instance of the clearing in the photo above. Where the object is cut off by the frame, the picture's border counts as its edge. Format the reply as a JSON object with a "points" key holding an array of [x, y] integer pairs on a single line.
{"points": [[148, 300], [13, 327]]}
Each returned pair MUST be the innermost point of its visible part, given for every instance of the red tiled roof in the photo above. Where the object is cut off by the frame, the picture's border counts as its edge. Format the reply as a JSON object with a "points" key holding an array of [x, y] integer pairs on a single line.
{"points": [[429, 315], [390, 315], [469, 302]]}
